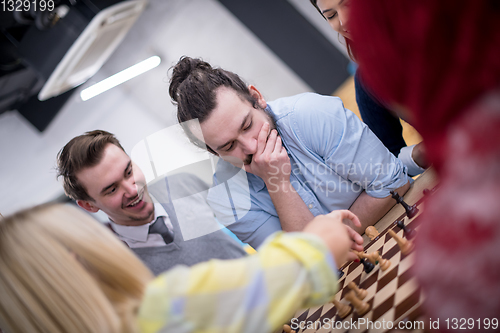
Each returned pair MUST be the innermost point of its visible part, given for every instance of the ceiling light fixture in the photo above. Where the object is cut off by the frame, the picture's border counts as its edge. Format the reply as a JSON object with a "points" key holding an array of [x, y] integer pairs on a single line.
{"points": [[120, 77]]}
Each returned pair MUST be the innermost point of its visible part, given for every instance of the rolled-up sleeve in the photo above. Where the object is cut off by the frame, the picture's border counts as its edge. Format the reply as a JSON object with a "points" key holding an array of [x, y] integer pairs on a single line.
{"points": [[405, 155], [253, 294]]}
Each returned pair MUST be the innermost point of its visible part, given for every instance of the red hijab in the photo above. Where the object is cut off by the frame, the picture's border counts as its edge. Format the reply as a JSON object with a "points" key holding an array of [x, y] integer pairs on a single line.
{"points": [[434, 57], [440, 61]]}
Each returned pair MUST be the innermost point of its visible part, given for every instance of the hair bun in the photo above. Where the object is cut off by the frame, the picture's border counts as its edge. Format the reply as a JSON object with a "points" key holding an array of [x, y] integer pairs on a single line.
{"points": [[182, 70]]}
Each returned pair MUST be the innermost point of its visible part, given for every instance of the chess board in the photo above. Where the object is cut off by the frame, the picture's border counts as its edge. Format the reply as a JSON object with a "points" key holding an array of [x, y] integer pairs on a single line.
{"points": [[393, 295]]}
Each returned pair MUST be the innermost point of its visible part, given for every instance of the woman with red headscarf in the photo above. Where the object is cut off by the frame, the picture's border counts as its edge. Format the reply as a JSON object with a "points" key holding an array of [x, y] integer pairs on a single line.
{"points": [[439, 62]]}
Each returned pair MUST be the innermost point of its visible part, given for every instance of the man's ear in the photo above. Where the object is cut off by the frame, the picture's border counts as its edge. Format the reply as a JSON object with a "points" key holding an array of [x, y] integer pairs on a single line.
{"points": [[87, 205], [255, 93]]}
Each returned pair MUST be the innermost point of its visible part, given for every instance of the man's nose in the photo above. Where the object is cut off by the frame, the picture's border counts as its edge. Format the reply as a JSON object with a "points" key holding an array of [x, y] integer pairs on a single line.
{"points": [[130, 187], [248, 145]]}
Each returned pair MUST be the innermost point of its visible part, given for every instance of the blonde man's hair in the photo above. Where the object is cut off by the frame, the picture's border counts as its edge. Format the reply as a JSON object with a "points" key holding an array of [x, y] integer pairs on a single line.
{"points": [[60, 271]]}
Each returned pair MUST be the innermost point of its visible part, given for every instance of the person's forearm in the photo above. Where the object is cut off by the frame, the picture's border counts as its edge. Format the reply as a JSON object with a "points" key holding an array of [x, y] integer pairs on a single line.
{"points": [[292, 211], [223, 289], [370, 210]]}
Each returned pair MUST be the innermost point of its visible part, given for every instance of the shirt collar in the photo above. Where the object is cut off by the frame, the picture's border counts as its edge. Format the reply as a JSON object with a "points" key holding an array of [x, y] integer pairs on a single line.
{"points": [[140, 232]]}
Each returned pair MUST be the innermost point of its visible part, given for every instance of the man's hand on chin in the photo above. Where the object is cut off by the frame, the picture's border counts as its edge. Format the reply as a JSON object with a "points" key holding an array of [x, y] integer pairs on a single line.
{"points": [[270, 162]]}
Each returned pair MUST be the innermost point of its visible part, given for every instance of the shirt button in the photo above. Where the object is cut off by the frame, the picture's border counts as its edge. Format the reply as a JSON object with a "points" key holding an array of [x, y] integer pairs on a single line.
{"points": [[311, 206]]}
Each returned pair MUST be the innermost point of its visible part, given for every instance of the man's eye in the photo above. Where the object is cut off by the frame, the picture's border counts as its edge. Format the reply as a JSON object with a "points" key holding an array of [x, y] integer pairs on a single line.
{"points": [[248, 127], [230, 147], [112, 190]]}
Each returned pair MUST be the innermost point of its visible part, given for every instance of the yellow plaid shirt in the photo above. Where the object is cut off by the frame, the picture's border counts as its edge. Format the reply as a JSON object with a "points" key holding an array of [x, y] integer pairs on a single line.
{"points": [[255, 294]]}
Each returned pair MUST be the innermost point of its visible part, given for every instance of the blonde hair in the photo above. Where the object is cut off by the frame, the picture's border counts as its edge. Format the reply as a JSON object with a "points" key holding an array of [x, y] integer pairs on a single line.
{"points": [[60, 271]]}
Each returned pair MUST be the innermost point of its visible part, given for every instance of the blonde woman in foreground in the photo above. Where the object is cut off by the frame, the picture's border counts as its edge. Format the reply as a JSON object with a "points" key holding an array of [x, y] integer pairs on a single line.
{"points": [[60, 271]]}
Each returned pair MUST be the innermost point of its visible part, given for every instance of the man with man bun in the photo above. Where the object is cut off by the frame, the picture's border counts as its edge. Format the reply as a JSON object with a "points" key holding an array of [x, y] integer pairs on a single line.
{"points": [[303, 155]]}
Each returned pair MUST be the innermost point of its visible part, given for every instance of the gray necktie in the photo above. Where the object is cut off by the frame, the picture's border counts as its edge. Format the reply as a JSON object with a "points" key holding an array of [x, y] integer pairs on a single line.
{"points": [[159, 227]]}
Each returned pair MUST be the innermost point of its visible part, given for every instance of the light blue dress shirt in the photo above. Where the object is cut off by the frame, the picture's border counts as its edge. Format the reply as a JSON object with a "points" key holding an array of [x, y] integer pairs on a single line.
{"points": [[334, 158]]}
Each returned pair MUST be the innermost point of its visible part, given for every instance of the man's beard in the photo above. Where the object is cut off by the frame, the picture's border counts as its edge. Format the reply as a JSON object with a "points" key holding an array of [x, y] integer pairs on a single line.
{"points": [[248, 160], [272, 125]]}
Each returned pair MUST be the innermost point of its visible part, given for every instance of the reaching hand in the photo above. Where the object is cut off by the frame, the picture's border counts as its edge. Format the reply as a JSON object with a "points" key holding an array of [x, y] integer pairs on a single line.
{"points": [[357, 243], [339, 238]]}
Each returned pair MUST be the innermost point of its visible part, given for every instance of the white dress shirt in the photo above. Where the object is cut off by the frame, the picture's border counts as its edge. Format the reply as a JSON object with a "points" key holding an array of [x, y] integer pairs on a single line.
{"points": [[138, 236]]}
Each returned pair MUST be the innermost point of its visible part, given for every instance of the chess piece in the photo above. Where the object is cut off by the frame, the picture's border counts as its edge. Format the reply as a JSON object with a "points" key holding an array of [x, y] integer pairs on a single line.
{"points": [[406, 246], [368, 266], [360, 306], [359, 254], [375, 259], [408, 232], [372, 257], [287, 329], [384, 263], [342, 309], [411, 211], [360, 292], [371, 232]]}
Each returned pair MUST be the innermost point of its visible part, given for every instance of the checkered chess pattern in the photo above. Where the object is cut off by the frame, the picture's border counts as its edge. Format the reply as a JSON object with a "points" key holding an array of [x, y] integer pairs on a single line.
{"points": [[393, 295]]}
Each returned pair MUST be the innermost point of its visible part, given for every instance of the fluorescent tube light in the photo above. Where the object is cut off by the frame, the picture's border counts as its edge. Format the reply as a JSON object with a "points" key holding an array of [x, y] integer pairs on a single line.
{"points": [[120, 77]]}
